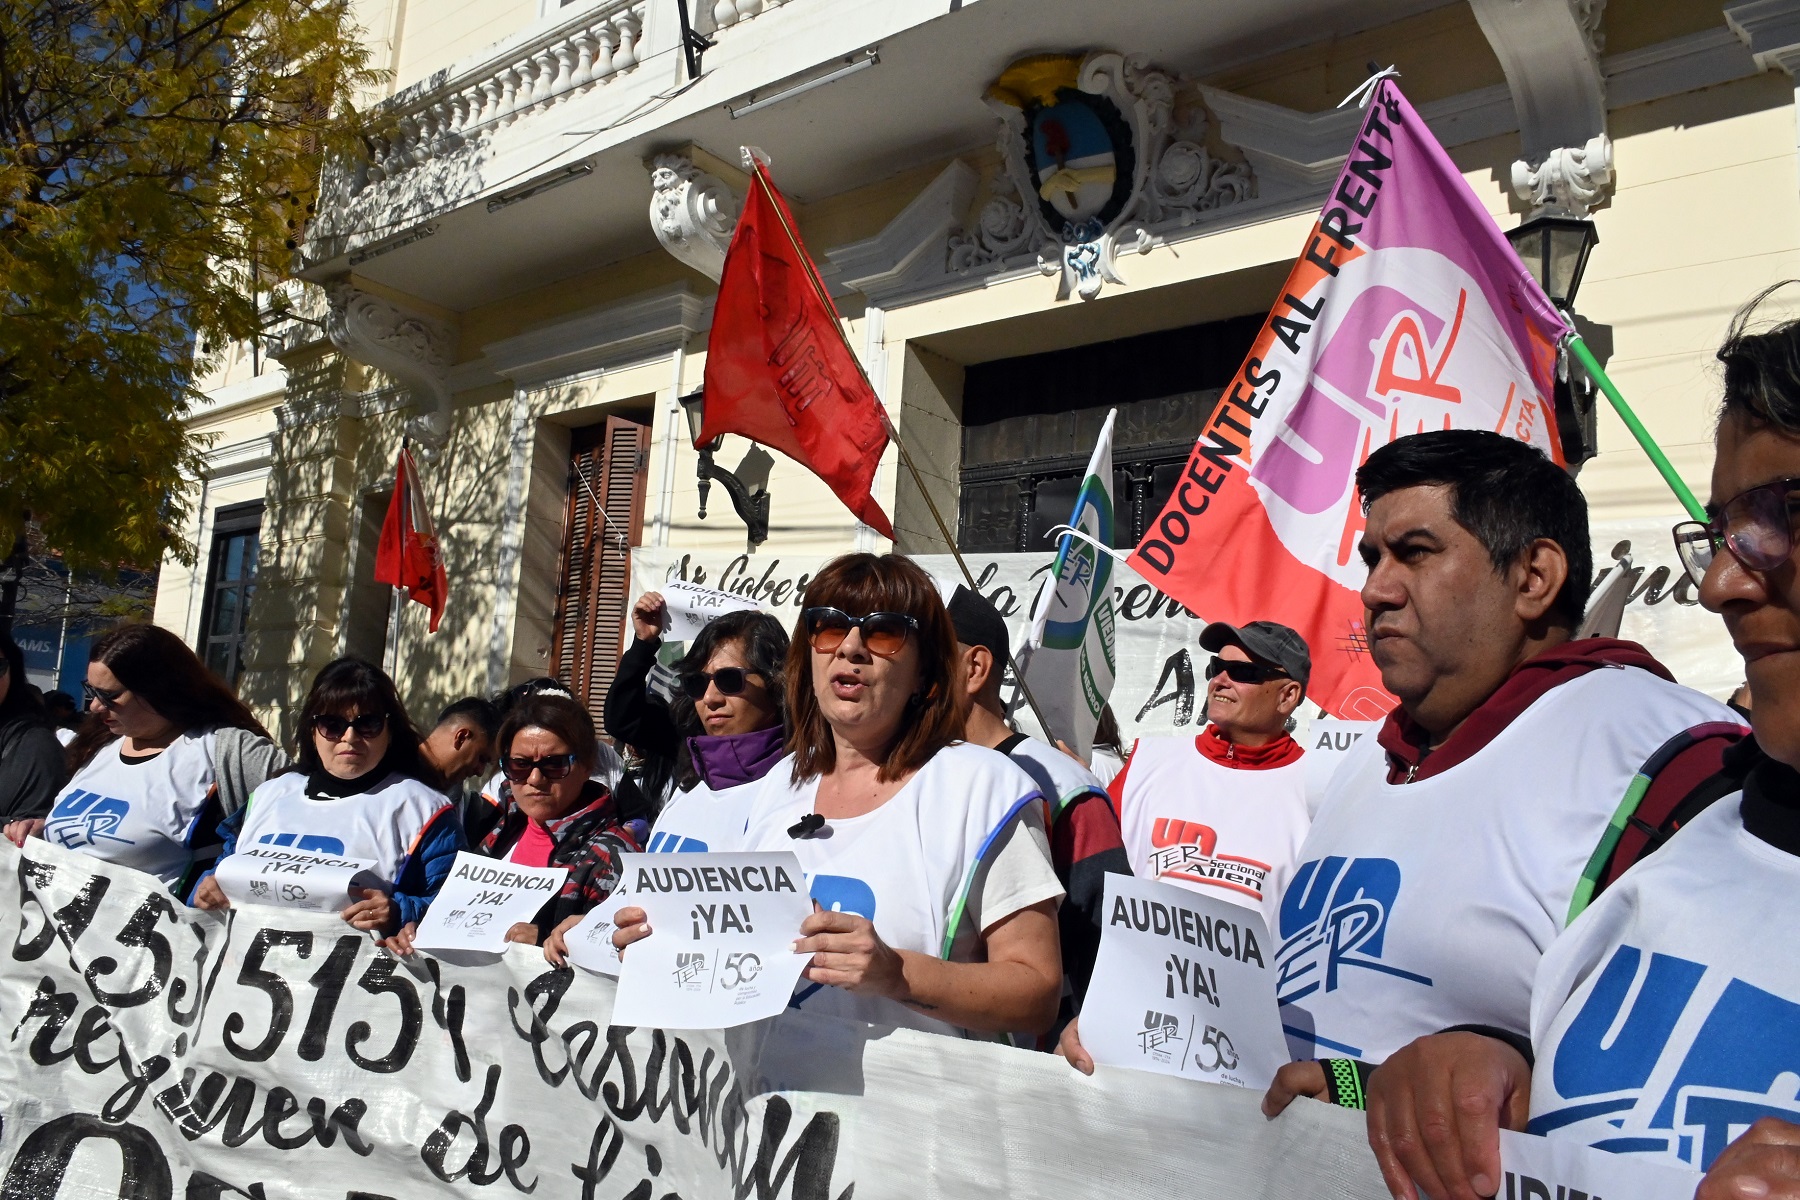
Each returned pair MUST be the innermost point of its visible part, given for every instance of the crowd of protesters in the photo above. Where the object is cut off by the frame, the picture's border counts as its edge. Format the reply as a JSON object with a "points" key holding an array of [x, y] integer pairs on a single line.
{"points": [[1551, 853]]}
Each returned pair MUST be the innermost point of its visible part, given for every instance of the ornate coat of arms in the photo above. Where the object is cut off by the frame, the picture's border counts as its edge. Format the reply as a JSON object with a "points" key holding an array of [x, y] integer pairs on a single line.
{"points": [[1089, 150]]}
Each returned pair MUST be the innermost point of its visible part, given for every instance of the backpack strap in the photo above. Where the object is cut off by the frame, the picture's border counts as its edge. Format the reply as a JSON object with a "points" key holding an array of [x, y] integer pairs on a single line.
{"points": [[1658, 825]]}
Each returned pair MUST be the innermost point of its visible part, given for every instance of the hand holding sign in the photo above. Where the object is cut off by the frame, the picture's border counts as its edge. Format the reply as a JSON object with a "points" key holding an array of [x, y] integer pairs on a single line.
{"points": [[294, 878], [1181, 986], [723, 954], [482, 900], [1467, 1084]]}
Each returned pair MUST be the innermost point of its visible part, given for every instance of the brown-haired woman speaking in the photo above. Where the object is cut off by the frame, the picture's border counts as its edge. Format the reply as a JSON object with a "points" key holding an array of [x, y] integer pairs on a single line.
{"points": [[925, 856]]}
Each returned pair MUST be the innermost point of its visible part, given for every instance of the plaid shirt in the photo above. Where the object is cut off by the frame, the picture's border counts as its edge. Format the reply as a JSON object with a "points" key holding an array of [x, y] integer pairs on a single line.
{"points": [[588, 841]]}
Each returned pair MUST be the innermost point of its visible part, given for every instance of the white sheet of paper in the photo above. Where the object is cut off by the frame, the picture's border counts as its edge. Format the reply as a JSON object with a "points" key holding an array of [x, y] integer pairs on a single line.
{"points": [[721, 948], [1540, 1168], [293, 878], [590, 942], [482, 899], [1327, 742], [692, 608], [1182, 986]]}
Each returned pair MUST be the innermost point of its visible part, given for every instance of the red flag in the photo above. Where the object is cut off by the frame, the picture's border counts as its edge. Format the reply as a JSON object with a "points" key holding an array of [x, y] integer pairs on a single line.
{"points": [[777, 369], [408, 555]]}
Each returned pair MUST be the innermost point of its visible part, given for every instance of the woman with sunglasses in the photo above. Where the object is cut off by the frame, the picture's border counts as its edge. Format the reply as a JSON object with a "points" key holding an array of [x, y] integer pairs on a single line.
{"points": [[359, 790], [730, 688], [551, 813], [173, 752], [926, 857], [31, 759]]}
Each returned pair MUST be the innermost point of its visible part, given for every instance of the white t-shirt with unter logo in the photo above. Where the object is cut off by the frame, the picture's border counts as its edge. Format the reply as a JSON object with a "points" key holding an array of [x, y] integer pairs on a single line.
{"points": [[141, 813], [958, 849]]}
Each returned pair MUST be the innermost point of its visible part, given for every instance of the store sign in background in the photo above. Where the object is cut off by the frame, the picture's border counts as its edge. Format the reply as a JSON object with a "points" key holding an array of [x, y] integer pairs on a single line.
{"points": [[1161, 685]]}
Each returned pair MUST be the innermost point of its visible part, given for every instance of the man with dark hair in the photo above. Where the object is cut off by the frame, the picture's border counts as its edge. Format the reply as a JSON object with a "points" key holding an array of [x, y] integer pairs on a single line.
{"points": [[1451, 849], [461, 744], [1084, 831]]}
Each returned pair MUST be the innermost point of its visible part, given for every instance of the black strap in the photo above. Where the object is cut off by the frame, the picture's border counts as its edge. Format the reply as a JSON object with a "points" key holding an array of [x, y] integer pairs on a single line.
{"points": [[1010, 744]]}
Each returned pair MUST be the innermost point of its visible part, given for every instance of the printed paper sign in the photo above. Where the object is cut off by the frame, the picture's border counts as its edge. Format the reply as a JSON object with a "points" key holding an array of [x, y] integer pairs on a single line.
{"points": [[692, 607], [1540, 1168], [1182, 987], [721, 948], [590, 941], [482, 899], [1327, 741], [293, 878]]}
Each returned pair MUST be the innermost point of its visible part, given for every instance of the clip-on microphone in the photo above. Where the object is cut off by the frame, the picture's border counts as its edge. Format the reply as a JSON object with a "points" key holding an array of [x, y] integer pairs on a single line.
{"points": [[806, 826]]}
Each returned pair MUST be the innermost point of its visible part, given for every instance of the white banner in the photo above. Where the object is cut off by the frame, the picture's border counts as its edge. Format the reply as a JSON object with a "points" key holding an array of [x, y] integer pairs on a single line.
{"points": [[1182, 986], [149, 1052], [1160, 686], [1537, 1168]]}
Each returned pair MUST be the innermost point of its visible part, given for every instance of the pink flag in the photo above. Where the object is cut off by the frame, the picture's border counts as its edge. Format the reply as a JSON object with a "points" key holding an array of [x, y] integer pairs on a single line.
{"points": [[1407, 310]]}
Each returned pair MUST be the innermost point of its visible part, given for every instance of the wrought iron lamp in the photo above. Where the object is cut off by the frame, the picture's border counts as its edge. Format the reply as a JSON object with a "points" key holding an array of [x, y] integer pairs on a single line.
{"points": [[752, 505], [1555, 248]]}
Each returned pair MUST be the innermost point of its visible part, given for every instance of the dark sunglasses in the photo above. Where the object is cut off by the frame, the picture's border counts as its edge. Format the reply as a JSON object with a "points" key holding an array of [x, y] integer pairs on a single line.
{"points": [[884, 633], [730, 681], [1244, 672], [1756, 526], [104, 697], [335, 727], [552, 767]]}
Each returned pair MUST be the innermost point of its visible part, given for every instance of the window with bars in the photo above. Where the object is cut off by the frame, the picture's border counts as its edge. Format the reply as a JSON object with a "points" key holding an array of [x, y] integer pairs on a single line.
{"points": [[1030, 424], [230, 587], [604, 519]]}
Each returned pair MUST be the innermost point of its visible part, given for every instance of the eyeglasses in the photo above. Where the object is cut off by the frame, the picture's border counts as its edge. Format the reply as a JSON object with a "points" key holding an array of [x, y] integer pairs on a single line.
{"points": [[107, 698], [730, 681], [552, 766], [335, 727], [1757, 526], [1244, 672], [884, 633]]}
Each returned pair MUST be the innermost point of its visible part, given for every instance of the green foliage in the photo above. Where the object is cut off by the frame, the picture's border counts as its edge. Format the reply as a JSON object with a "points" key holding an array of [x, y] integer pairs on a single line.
{"points": [[156, 159]]}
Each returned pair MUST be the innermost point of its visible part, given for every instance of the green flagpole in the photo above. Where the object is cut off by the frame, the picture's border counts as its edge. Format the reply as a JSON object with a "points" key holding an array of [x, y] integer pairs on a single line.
{"points": [[1579, 349]]}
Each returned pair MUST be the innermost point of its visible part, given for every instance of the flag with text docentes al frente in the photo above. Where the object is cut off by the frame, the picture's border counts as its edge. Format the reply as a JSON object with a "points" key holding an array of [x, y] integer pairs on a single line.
{"points": [[1406, 311]]}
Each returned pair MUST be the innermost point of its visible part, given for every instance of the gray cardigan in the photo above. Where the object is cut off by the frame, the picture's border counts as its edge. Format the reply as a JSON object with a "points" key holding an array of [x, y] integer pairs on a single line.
{"points": [[241, 762]]}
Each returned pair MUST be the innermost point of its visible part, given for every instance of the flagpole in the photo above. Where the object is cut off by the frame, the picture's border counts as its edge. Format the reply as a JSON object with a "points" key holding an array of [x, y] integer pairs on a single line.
{"points": [[1580, 350], [906, 457]]}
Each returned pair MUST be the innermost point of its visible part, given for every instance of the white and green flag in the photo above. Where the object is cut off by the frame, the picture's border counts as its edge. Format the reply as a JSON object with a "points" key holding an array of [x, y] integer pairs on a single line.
{"points": [[1068, 657]]}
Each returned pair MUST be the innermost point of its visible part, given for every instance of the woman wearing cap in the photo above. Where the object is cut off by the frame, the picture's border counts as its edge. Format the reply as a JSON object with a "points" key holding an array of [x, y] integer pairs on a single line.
{"points": [[731, 685], [172, 753], [926, 857], [360, 790]]}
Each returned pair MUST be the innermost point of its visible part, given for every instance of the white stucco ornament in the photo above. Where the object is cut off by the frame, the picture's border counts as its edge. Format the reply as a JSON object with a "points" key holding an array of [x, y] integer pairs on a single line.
{"points": [[415, 349], [692, 213], [1569, 179], [1094, 169]]}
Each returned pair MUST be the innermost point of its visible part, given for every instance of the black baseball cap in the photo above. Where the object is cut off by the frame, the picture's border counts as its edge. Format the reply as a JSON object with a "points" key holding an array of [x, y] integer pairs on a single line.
{"points": [[1272, 643], [978, 622]]}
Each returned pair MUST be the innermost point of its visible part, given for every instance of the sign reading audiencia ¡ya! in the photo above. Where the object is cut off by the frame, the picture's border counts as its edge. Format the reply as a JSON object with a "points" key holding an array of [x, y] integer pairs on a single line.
{"points": [[287, 878], [721, 948], [1182, 986], [482, 899]]}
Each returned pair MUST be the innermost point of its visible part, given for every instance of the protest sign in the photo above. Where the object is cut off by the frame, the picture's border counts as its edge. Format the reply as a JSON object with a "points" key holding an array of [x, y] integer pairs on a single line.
{"points": [[1326, 741], [590, 941], [692, 608], [259, 874], [1182, 987], [151, 1051], [1539, 1168], [481, 900], [722, 950]]}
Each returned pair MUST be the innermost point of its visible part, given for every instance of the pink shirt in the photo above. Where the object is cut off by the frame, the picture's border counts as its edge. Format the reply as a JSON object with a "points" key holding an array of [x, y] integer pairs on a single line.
{"points": [[533, 847]]}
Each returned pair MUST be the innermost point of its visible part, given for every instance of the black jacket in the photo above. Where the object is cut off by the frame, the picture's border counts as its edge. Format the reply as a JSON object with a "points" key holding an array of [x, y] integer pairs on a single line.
{"points": [[33, 768]]}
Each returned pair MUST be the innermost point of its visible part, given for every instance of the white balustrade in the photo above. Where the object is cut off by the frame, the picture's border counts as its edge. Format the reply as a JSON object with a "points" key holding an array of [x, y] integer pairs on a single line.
{"points": [[586, 52]]}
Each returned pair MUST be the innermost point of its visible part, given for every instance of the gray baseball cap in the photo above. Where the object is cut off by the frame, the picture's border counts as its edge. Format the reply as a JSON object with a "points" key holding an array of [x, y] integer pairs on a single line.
{"points": [[1266, 640]]}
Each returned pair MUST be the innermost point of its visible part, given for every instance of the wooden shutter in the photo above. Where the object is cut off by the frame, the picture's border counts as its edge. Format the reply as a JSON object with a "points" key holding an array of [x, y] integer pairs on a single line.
{"points": [[605, 518]]}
